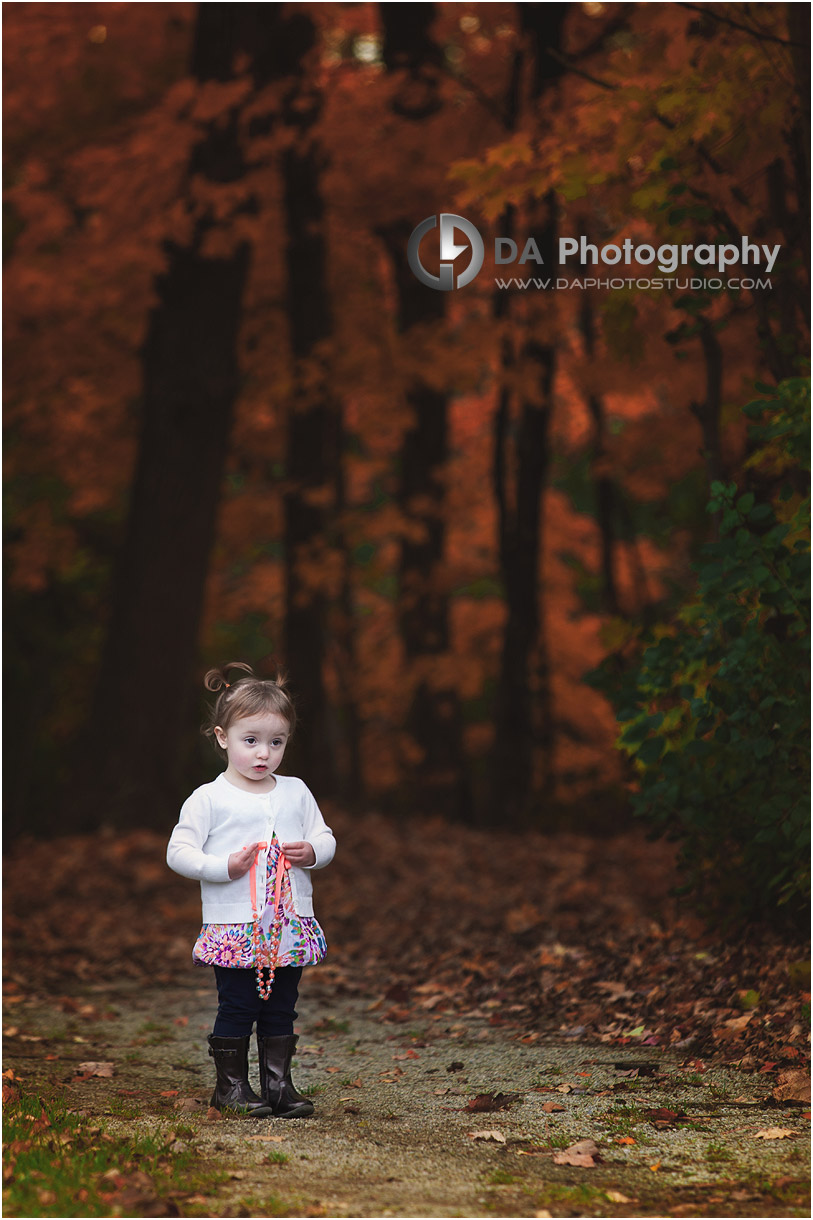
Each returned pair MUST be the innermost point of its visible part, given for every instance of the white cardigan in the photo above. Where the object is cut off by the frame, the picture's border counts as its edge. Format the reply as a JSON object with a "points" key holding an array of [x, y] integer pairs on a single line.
{"points": [[218, 819]]}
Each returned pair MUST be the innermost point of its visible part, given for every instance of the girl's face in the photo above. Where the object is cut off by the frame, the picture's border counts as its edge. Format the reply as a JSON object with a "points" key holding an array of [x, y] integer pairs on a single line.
{"points": [[255, 746]]}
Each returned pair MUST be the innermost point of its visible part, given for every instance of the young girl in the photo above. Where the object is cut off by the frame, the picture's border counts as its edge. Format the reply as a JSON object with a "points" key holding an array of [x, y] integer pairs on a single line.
{"points": [[251, 838]]}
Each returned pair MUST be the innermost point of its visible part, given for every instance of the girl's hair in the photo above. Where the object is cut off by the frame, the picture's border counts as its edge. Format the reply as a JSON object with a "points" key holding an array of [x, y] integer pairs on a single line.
{"points": [[248, 696]]}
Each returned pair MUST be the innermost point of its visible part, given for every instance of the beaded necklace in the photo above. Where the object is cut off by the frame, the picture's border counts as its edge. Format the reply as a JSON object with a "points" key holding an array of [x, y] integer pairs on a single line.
{"points": [[265, 956]]}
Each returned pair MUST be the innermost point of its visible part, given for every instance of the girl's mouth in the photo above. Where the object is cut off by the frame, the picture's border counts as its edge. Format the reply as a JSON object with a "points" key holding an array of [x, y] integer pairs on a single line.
{"points": [[261, 767]]}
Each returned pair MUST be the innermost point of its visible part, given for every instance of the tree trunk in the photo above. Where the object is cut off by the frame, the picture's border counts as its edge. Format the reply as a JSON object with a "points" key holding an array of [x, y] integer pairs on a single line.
{"points": [[604, 489], [434, 719], [314, 426], [524, 737], [133, 762]]}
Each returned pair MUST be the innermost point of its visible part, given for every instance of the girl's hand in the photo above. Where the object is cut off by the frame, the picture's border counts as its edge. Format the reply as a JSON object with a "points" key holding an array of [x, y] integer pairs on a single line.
{"points": [[300, 854], [241, 861]]}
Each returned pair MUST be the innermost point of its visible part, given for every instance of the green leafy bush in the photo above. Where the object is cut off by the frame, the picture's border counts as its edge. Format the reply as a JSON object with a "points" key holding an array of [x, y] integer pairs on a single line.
{"points": [[714, 704]]}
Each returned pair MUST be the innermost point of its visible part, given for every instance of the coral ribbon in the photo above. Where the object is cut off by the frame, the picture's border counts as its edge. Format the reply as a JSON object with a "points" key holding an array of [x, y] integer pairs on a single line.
{"points": [[282, 864]]}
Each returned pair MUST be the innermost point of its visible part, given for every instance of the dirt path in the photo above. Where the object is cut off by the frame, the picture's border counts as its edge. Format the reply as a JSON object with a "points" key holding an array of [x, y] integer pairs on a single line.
{"points": [[391, 1137]]}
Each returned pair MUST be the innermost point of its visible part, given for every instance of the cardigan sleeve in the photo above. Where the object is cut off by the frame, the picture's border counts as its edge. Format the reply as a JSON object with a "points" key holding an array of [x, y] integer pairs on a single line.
{"points": [[316, 831], [185, 853]]}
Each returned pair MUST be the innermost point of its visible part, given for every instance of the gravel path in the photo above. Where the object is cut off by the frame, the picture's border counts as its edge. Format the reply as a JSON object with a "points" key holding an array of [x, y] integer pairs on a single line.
{"points": [[391, 1135]]}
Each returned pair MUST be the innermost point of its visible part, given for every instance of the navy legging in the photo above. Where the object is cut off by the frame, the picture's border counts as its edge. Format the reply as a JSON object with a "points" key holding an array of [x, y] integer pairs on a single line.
{"points": [[239, 1003]]}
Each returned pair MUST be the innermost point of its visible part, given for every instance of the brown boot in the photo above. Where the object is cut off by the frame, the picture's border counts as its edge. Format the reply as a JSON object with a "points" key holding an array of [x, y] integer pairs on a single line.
{"points": [[232, 1091], [276, 1085]]}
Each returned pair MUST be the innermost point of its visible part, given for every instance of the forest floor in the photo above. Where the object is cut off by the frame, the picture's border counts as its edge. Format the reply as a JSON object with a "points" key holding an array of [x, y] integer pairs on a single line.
{"points": [[484, 1006]]}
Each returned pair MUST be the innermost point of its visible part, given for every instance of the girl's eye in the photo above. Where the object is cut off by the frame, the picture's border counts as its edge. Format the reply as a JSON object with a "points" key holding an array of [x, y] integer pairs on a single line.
{"points": [[249, 741], [276, 743]]}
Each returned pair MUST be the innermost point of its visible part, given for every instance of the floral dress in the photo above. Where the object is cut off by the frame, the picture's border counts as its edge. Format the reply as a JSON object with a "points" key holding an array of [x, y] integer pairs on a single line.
{"points": [[302, 941]]}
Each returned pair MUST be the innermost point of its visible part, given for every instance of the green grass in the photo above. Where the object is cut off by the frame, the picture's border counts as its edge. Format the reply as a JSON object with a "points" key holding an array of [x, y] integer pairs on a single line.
{"points": [[275, 1157], [626, 1120], [718, 1152], [311, 1089], [254, 1205], [56, 1162], [500, 1177], [120, 1108], [571, 1200]]}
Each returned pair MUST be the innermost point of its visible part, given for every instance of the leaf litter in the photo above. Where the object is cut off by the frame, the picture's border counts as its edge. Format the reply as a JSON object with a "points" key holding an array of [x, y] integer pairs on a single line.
{"points": [[589, 970]]}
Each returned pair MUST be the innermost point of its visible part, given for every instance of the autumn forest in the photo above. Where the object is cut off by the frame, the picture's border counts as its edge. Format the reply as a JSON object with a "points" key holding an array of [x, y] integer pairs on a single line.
{"points": [[454, 359], [240, 427]]}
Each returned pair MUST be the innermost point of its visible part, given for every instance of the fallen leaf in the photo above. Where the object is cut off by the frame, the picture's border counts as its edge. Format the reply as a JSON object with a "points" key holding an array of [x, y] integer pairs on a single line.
{"points": [[352, 1110], [625, 1139], [663, 1115], [213, 1114], [615, 1196], [615, 991], [655, 1167], [497, 1136], [551, 1107], [736, 1023], [188, 1105], [489, 1103], [95, 1069], [456, 1066], [169, 1093], [792, 1086], [333, 1069], [633, 1070], [774, 1133], [584, 1153]]}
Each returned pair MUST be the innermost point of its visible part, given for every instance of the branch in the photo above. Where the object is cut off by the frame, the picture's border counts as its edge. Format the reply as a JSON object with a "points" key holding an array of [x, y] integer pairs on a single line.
{"points": [[707, 12], [571, 67]]}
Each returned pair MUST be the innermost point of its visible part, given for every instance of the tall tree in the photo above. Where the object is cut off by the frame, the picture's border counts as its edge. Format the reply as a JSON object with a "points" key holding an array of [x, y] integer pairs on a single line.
{"points": [[524, 718], [314, 425], [143, 701], [434, 717]]}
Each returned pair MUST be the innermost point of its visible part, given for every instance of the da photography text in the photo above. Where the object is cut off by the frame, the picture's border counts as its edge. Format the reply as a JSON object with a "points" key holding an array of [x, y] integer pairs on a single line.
{"points": [[576, 251]]}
